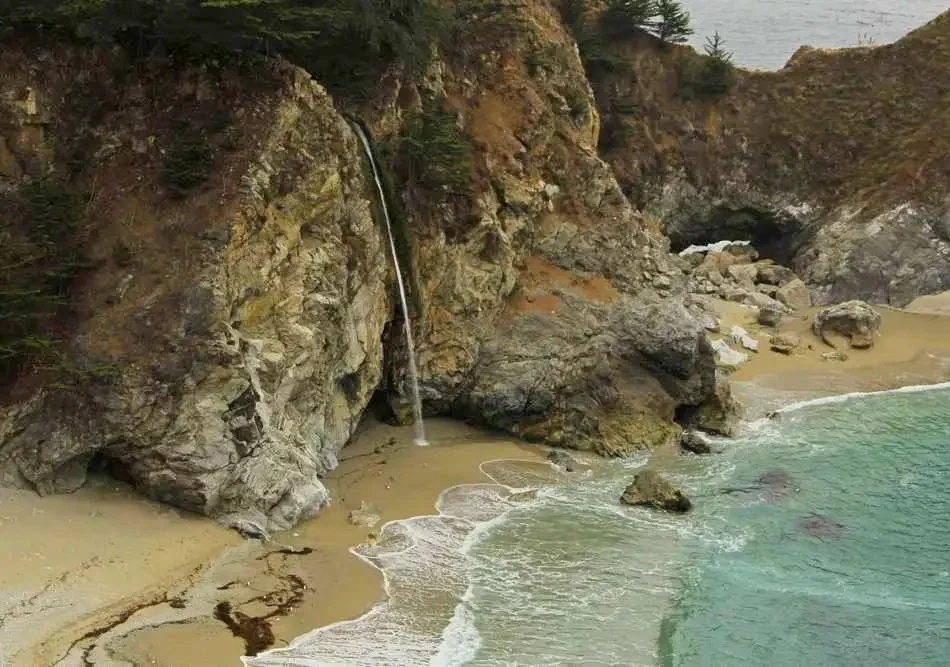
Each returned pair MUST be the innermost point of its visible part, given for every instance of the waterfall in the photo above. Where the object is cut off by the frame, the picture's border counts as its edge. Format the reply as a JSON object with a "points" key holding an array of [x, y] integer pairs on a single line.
{"points": [[420, 438]]}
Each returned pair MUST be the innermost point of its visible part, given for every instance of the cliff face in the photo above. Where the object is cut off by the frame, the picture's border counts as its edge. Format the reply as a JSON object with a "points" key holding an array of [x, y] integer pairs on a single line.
{"points": [[232, 318], [541, 299], [225, 342], [837, 164]]}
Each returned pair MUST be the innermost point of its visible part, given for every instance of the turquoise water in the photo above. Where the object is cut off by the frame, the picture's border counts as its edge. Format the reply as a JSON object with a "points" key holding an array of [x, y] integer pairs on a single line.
{"points": [[872, 588], [821, 538]]}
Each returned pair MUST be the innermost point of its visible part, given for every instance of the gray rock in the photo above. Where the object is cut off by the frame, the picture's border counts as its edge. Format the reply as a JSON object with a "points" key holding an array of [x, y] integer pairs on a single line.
{"points": [[794, 294], [762, 301], [744, 274], [562, 460], [720, 413], [769, 317], [855, 320], [614, 391], [695, 442], [650, 489], [773, 274]]}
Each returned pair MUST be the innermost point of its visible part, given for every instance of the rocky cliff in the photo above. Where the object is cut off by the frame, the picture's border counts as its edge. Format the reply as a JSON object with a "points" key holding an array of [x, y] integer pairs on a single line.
{"points": [[837, 164], [232, 315], [225, 313]]}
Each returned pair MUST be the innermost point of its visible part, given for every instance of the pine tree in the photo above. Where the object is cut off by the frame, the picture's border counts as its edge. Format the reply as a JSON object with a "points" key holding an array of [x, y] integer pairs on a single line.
{"points": [[672, 26], [623, 17], [715, 48]]}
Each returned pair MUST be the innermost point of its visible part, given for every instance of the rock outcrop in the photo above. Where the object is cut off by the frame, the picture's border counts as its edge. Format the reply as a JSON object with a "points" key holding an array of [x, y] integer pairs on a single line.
{"points": [[244, 323], [695, 442], [250, 311], [833, 165], [650, 489], [855, 320]]}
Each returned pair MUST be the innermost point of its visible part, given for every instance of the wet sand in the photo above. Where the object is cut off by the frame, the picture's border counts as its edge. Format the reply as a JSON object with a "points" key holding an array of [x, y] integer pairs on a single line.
{"points": [[108, 577]]}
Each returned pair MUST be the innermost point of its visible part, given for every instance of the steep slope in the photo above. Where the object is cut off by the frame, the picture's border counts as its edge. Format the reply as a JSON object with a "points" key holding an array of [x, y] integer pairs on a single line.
{"points": [[837, 163], [223, 342], [232, 318]]}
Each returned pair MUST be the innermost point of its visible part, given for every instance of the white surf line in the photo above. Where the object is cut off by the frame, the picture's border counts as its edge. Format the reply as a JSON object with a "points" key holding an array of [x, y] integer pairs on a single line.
{"points": [[387, 587]]}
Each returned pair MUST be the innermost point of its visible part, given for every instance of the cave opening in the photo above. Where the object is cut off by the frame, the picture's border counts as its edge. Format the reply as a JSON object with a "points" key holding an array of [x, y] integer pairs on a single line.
{"points": [[774, 236]]}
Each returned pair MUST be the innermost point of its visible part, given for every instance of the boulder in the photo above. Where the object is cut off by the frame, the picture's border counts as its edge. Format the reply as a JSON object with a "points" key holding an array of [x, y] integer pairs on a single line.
{"points": [[794, 294], [767, 290], [744, 274], [650, 489], [773, 274], [726, 356], [695, 442], [785, 343], [741, 337], [855, 320], [769, 317], [720, 413], [743, 253], [562, 460], [760, 301]]}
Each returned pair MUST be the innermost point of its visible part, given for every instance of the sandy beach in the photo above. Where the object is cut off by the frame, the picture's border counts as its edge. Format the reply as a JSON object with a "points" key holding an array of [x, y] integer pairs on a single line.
{"points": [[912, 348], [107, 577]]}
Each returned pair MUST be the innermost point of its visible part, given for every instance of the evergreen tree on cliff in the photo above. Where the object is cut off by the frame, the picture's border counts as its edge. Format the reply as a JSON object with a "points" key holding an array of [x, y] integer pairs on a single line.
{"points": [[672, 26], [623, 17]]}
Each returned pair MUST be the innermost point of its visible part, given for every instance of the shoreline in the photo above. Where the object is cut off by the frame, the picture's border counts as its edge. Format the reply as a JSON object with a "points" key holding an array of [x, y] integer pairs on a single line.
{"points": [[309, 578], [305, 579]]}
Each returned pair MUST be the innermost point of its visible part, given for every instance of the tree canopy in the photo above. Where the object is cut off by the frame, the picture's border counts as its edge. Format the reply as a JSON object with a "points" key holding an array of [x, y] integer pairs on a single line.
{"points": [[332, 38]]}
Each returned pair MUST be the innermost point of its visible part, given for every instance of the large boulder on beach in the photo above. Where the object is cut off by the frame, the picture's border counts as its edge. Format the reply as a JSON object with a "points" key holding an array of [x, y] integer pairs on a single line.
{"points": [[794, 295], [854, 320], [650, 489]]}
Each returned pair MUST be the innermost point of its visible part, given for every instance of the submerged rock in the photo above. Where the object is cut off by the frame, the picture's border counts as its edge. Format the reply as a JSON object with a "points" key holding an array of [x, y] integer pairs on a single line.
{"points": [[695, 442], [650, 489], [367, 515], [817, 525], [562, 460], [855, 320]]}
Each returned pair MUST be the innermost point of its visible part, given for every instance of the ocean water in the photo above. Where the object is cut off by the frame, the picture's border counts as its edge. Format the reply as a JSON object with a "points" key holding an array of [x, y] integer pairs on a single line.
{"points": [[763, 34], [820, 538]]}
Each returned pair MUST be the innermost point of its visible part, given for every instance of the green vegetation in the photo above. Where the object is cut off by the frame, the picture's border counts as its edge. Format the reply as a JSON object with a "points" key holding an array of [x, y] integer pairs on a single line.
{"points": [[187, 164], [41, 237], [434, 155], [709, 75], [340, 41], [622, 17], [672, 24]]}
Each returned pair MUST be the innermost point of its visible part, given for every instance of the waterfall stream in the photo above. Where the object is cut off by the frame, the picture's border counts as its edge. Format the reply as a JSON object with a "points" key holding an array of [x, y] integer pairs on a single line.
{"points": [[420, 435]]}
